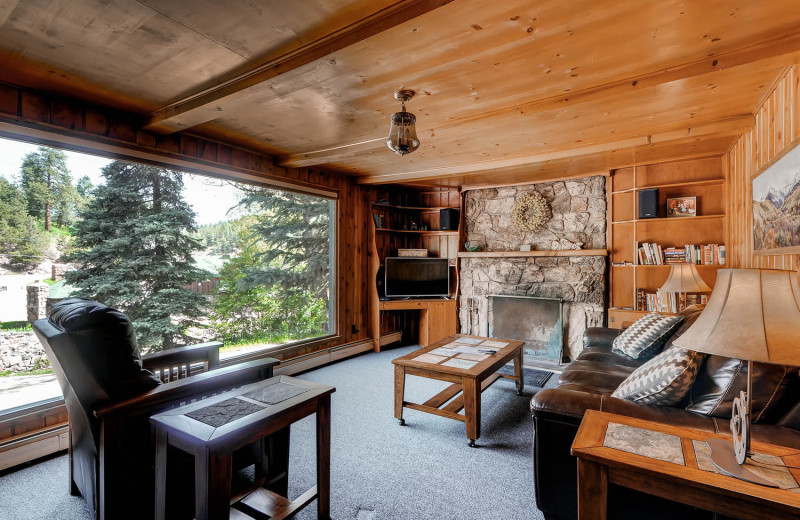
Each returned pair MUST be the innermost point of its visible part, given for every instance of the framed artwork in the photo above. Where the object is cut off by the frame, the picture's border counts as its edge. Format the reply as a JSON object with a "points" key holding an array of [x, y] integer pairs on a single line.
{"points": [[682, 207], [776, 205]]}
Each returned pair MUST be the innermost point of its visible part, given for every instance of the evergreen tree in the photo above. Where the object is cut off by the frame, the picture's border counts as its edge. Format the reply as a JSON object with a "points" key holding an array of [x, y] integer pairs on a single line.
{"points": [[261, 313], [47, 184], [19, 236], [296, 230], [135, 251]]}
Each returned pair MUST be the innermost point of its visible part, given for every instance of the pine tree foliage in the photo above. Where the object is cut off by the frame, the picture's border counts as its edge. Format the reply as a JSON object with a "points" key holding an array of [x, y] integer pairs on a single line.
{"points": [[19, 236], [134, 248], [277, 286], [296, 230], [47, 184]]}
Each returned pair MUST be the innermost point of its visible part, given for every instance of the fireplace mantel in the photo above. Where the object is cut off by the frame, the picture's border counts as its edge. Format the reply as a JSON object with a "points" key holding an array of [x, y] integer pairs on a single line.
{"points": [[505, 254]]}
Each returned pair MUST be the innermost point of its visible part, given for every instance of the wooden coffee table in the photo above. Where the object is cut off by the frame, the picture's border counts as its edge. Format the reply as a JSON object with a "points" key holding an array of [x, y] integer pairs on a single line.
{"points": [[470, 372]]}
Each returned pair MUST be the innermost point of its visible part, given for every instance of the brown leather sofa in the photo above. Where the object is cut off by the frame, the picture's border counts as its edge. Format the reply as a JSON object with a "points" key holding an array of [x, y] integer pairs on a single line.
{"points": [[587, 384]]}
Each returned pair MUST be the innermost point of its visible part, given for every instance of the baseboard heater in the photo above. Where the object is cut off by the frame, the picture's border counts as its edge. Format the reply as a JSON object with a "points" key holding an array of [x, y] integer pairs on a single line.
{"points": [[323, 357]]}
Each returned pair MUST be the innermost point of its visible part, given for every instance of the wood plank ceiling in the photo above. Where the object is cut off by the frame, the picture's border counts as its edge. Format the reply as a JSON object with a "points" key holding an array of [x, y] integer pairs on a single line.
{"points": [[508, 92]]}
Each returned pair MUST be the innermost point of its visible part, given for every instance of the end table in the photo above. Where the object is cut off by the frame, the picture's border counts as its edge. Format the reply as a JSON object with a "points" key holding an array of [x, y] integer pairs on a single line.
{"points": [[212, 429]]}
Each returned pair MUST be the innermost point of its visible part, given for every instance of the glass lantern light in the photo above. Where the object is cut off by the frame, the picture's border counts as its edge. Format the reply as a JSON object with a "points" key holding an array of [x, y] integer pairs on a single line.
{"points": [[402, 138]]}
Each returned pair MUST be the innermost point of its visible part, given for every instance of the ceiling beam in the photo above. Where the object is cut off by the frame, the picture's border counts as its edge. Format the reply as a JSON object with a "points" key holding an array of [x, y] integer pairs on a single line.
{"points": [[724, 127], [772, 49], [205, 105]]}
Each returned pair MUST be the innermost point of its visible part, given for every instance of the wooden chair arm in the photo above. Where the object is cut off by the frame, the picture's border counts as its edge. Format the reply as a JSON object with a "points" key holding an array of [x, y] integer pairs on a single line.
{"points": [[202, 352], [191, 388]]}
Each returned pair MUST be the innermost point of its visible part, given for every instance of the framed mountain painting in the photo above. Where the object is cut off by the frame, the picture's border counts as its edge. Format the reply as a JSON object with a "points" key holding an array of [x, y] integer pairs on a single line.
{"points": [[776, 204]]}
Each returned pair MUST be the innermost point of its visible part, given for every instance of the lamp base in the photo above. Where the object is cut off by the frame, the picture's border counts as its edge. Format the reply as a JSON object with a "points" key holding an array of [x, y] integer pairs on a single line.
{"points": [[723, 457]]}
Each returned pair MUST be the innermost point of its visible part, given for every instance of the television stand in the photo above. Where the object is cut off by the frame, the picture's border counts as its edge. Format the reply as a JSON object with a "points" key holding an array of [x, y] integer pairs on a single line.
{"points": [[437, 316]]}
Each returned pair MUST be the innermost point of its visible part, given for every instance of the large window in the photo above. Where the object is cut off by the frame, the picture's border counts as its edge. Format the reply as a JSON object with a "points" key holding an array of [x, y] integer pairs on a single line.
{"points": [[188, 258]]}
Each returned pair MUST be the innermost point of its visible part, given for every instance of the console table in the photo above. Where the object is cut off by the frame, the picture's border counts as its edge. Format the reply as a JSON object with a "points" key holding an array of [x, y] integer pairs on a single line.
{"points": [[675, 465], [212, 429]]}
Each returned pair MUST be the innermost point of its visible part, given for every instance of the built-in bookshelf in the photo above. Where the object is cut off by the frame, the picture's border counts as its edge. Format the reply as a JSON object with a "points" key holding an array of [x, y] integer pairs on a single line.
{"points": [[642, 250], [404, 218]]}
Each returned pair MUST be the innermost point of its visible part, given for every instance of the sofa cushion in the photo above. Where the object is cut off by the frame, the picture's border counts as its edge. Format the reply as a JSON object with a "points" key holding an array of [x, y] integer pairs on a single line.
{"points": [[594, 377], [664, 380], [646, 337], [775, 389]]}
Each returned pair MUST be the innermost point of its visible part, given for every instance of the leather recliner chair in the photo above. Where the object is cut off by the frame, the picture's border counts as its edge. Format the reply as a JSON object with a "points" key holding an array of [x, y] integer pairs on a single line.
{"points": [[110, 397]]}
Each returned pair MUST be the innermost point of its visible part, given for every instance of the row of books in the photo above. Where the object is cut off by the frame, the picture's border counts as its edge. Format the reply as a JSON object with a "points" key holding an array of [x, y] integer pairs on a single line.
{"points": [[708, 254], [661, 301]]}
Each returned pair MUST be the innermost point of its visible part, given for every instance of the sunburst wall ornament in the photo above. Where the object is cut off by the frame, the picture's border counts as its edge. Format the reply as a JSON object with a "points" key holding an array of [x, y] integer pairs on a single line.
{"points": [[402, 138]]}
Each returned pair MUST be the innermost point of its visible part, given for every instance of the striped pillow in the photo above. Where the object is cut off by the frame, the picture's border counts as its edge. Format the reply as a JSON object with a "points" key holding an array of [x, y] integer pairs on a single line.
{"points": [[664, 380], [646, 337]]}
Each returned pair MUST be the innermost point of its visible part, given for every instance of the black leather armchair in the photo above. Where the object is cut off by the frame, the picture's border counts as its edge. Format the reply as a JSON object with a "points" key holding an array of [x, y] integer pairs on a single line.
{"points": [[110, 397]]}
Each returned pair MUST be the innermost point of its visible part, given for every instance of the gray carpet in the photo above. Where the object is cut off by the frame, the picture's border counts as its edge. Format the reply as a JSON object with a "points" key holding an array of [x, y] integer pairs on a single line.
{"points": [[380, 470]]}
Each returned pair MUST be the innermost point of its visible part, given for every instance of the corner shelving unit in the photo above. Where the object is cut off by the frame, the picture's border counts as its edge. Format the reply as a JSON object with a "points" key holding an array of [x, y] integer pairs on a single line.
{"points": [[399, 212], [702, 178]]}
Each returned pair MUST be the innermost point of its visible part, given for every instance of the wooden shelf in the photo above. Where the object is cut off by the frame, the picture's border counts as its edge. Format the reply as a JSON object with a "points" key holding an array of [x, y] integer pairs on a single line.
{"points": [[428, 320], [384, 230], [703, 178], [699, 266], [670, 219], [568, 252], [412, 208], [711, 182]]}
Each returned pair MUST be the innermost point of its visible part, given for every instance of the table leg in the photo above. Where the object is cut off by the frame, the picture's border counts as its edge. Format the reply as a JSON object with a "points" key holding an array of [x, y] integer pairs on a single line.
{"points": [[399, 392], [212, 477], [324, 458], [161, 474], [518, 371], [277, 475], [472, 408], [592, 490]]}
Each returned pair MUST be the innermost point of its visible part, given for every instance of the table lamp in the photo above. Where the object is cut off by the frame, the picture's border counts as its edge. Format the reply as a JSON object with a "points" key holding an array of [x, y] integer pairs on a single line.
{"points": [[684, 278], [752, 315]]}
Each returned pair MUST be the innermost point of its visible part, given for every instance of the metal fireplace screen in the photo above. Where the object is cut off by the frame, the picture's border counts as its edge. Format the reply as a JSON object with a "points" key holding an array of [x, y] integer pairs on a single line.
{"points": [[536, 321]]}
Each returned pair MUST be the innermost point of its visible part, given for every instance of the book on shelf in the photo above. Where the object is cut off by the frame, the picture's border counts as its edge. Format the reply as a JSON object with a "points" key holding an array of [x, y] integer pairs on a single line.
{"points": [[662, 301], [654, 254]]}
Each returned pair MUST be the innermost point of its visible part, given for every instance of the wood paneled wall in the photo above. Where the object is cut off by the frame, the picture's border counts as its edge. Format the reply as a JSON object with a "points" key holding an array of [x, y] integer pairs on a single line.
{"points": [[777, 124], [41, 118]]}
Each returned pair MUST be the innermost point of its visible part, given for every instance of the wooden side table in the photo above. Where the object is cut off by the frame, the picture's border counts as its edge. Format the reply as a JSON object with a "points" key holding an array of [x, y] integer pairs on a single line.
{"points": [[675, 467], [212, 429]]}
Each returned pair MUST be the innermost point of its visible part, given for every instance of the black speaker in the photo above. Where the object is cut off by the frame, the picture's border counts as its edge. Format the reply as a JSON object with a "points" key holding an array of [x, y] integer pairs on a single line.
{"points": [[648, 203], [448, 219]]}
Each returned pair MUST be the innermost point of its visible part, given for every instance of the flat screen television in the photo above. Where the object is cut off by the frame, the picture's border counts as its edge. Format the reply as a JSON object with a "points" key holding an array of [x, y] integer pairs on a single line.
{"points": [[416, 277]]}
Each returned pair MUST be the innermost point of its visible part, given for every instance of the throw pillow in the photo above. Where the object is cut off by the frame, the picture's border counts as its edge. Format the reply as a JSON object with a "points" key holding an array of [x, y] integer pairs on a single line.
{"points": [[646, 337], [664, 380]]}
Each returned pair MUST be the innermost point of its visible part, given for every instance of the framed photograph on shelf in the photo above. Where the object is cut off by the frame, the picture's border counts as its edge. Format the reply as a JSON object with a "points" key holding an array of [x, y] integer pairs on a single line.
{"points": [[776, 204], [682, 207]]}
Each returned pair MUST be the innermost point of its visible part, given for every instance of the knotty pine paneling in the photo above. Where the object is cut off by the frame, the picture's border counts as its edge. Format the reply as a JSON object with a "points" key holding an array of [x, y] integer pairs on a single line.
{"points": [[777, 124]]}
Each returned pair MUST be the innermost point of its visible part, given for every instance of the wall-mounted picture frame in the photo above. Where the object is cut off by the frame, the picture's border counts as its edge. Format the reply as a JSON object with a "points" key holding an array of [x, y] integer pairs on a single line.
{"points": [[682, 207], [776, 204]]}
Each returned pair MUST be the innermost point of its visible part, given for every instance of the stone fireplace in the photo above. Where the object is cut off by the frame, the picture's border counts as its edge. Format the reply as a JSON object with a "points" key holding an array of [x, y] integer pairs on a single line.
{"points": [[576, 276]]}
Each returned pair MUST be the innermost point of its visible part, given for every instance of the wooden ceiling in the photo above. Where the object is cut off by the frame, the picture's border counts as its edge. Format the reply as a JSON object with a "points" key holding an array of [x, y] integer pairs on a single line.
{"points": [[507, 92]]}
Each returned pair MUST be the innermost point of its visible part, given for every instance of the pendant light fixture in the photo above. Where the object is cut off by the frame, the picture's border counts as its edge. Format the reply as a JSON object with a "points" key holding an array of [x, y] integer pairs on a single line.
{"points": [[402, 138]]}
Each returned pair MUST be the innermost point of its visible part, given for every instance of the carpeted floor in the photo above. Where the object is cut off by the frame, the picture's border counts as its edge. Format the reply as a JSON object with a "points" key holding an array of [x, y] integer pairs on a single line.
{"points": [[380, 470]]}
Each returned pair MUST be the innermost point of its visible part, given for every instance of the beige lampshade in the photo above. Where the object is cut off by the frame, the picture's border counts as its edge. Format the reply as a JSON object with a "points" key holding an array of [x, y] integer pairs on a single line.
{"points": [[752, 314], [684, 278]]}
